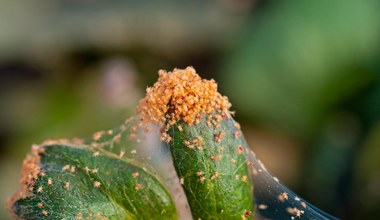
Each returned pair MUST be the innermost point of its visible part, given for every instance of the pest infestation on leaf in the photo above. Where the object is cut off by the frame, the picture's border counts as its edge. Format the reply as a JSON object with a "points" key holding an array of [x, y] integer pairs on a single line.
{"points": [[109, 175]]}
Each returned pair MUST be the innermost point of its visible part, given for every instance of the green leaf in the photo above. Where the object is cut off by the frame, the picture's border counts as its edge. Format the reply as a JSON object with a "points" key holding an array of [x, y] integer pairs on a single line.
{"points": [[78, 181], [211, 164]]}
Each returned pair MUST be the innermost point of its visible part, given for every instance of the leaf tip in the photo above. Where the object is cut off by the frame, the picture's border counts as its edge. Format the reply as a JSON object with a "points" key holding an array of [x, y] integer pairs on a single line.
{"points": [[182, 95]]}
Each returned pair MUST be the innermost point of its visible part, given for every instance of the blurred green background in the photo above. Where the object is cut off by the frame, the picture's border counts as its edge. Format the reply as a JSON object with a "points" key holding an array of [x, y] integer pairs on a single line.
{"points": [[303, 76]]}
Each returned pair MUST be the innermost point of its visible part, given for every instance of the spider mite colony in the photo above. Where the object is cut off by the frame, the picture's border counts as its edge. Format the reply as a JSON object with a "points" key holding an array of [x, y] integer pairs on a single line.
{"points": [[212, 172]]}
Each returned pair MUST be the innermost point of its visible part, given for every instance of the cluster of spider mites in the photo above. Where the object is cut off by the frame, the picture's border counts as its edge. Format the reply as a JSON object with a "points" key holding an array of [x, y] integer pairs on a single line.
{"points": [[180, 95]]}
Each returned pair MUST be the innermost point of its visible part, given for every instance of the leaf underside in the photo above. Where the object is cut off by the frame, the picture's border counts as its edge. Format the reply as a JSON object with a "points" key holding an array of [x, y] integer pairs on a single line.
{"points": [[213, 169], [79, 181]]}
